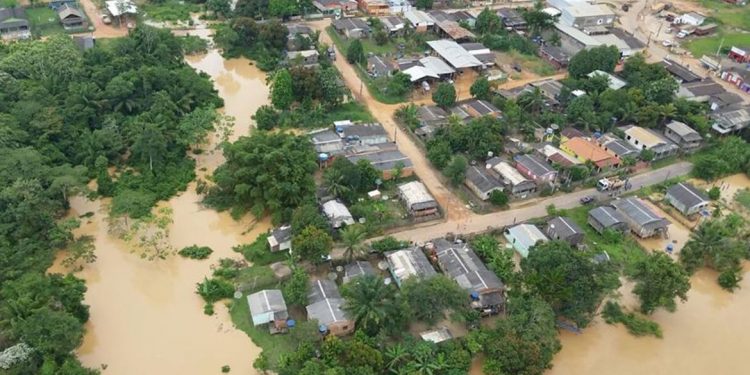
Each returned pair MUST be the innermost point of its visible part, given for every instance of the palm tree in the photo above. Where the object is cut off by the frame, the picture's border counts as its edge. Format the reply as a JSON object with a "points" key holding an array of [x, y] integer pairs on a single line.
{"points": [[532, 101], [395, 355], [426, 361], [370, 302], [335, 183], [352, 236]]}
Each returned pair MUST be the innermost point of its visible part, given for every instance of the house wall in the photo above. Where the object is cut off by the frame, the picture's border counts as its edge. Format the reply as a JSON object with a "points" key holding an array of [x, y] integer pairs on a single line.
{"points": [[481, 195], [546, 178], [687, 211], [685, 146]]}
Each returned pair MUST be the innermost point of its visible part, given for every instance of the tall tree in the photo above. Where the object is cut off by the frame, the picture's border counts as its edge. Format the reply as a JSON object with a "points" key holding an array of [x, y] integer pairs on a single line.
{"points": [[312, 244], [659, 281], [373, 305], [352, 237], [281, 89], [355, 53], [488, 22], [444, 95], [602, 58], [480, 89]]}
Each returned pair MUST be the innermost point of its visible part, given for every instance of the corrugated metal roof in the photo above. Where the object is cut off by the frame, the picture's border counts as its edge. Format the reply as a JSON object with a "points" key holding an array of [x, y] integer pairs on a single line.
{"points": [[606, 216], [527, 234], [356, 269], [510, 174], [461, 263], [482, 179], [266, 306], [415, 193], [456, 55], [536, 165], [436, 65], [408, 263], [687, 194], [635, 209]]}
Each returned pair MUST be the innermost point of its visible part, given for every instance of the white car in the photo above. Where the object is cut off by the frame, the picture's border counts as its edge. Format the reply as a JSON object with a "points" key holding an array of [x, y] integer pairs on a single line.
{"points": [[667, 43]]}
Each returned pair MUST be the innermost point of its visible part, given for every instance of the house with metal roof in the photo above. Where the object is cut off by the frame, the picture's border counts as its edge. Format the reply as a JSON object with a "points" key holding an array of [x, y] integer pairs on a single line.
{"points": [[512, 18], [437, 66], [554, 55], [554, 155], [363, 134], [642, 219], [730, 120], [420, 21], [523, 237], [647, 139], [326, 141], [71, 17], [418, 73], [436, 335], [564, 229], [683, 136], [616, 146], [606, 217], [385, 157], [454, 31], [481, 52], [416, 198], [356, 269], [409, 263], [460, 263], [680, 72], [584, 149], [514, 181], [686, 198], [355, 28], [431, 118], [378, 66], [393, 24], [458, 57], [280, 239], [614, 82], [332, 7], [327, 307], [535, 168], [551, 90], [478, 108], [14, 24], [337, 213], [268, 307], [700, 91], [482, 182]]}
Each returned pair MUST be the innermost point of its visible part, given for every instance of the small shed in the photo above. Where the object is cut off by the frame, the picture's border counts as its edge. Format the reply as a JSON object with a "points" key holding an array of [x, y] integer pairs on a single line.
{"points": [[641, 219], [407, 263], [564, 229], [523, 237], [326, 306], [357, 269], [268, 306], [436, 335], [605, 217], [337, 213], [417, 199], [280, 238], [686, 198]]}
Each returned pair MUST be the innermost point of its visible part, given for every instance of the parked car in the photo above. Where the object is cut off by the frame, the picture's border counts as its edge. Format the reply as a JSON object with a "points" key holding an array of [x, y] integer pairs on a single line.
{"points": [[666, 43], [587, 199], [106, 19]]}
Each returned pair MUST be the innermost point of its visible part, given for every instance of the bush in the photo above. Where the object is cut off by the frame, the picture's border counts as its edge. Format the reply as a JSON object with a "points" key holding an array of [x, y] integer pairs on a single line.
{"points": [[225, 369], [196, 252], [214, 289], [388, 243], [499, 198], [635, 324], [208, 309], [714, 193], [259, 253]]}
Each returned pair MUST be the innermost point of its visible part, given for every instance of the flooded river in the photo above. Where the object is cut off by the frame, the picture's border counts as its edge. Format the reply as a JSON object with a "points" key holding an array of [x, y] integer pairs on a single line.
{"points": [[145, 315]]}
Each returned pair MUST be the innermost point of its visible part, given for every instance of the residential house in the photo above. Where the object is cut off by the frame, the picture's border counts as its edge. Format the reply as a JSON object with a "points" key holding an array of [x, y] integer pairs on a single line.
{"points": [[333, 7], [374, 7], [482, 182], [459, 58], [692, 18], [437, 66], [686, 198], [554, 55], [512, 19], [730, 120], [481, 52], [454, 31], [740, 54], [465, 16], [419, 73], [280, 239], [307, 58], [430, 118], [297, 32], [641, 219], [569, 133], [550, 89], [585, 150], [268, 307], [407, 263], [363, 134], [700, 91], [71, 17], [535, 168], [564, 229], [738, 76], [605, 217], [326, 306], [724, 100], [554, 155], [419, 202], [14, 24], [394, 25], [647, 139], [354, 28], [616, 146], [515, 182], [420, 21], [120, 8], [460, 263], [479, 108], [327, 141], [385, 157], [614, 82], [684, 136], [523, 237], [436, 335], [378, 66], [356, 269], [682, 73], [337, 214]]}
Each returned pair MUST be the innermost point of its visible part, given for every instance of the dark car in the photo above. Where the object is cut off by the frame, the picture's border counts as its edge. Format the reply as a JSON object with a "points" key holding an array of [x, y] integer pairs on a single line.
{"points": [[587, 200]]}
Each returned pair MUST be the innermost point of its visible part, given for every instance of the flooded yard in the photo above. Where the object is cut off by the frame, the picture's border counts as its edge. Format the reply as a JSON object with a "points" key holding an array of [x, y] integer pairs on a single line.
{"points": [[677, 234]]}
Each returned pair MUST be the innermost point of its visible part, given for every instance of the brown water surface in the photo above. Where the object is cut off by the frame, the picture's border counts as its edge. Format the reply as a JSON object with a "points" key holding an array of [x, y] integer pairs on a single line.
{"points": [[145, 315]]}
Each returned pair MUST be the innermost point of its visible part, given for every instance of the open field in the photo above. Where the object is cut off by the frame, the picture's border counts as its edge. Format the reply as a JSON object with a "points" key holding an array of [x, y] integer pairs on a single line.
{"points": [[531, 66], [709, 45], [171, 10], [729, 15], [44, 21]]}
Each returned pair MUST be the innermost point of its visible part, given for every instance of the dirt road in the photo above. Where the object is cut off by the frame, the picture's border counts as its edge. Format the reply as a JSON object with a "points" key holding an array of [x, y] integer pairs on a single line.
{"points": [[101, 29]]}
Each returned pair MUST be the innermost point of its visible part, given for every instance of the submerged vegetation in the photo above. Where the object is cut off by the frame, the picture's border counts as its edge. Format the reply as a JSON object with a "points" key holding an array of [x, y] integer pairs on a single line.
{"points": [[636, 325]]}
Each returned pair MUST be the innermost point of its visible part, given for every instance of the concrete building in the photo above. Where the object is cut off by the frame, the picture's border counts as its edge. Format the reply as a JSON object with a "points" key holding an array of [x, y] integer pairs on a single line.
{"points": [[354, 28], [482, 182], [374, 7], [337, 214], [268, 307], [280, 239], [420, 21], [730, 120], [326, 306], [585, 150], [523, 237], [535, 168], [618, 147], [362, 134], [686, 198], [334, 7], [683, 136], [647, 139], [561, 228], [605, 217], [514, 181], [460, 263], [417, 199], [641, 219], [408, 263], [458, 57]]}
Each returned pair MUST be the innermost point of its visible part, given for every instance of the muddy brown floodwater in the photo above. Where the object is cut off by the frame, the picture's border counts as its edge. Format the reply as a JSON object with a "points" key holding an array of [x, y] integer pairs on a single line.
{"points": [[145, 315]]}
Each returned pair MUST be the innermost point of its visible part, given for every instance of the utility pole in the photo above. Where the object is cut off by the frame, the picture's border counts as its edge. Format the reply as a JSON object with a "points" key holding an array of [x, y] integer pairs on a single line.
{"points": [[719, 49]]}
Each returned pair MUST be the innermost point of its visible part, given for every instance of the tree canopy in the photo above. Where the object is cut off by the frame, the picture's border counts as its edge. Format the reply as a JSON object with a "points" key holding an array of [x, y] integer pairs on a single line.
{"points": [[659, 280], [602, 58]]}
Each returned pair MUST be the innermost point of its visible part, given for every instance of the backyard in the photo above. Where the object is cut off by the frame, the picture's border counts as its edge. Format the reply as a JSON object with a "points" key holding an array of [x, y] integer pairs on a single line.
{"points": [[531, 66], [709, 45]]}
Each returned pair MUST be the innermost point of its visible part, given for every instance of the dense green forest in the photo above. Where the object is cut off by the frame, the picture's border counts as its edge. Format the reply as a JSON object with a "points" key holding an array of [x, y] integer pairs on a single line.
{"points": [[67, 117]]}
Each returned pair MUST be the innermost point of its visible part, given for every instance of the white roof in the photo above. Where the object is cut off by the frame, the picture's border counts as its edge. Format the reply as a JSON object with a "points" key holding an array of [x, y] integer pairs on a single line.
{"points": [[578, 35], [307, 53], [415, 192], [454, 54], [336, 210], [418, 17], [119, 7], [509, 173], [615, 83], [551, 11], [589, 10], [418, 72], [437, 65]]}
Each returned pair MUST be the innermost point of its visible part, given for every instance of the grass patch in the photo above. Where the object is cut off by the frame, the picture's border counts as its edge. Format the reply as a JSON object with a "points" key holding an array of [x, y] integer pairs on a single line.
{"points": [[171, 10], [743, 198], [708, 45], [661, 163], [44, 21], [531, 63], [624, 250], [192, 44], [728, 14], [259, 253], [352, 110]]}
